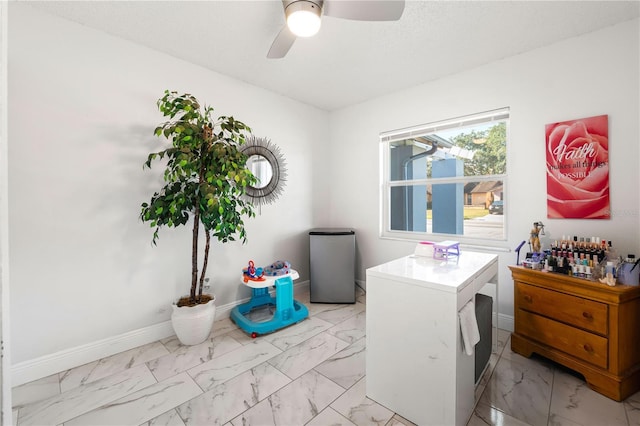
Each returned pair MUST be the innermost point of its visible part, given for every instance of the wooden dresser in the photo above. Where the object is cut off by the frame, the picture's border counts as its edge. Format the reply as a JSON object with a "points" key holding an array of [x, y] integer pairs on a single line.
{"points": [[586, 326]]}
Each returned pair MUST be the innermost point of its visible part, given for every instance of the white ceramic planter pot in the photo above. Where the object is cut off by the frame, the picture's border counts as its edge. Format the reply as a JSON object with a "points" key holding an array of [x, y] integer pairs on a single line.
{"points": [[193, 324]]}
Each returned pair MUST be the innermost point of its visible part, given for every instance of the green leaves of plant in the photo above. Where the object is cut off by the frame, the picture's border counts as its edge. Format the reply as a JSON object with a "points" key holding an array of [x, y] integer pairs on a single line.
{"points": [[205, 170]]}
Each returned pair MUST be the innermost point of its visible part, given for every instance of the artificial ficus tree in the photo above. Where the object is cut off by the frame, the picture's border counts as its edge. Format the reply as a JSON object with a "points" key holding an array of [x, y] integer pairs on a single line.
{"points": [[205, 179]]}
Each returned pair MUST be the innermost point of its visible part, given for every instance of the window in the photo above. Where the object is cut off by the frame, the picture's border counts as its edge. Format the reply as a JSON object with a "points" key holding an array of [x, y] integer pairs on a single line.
{"points": [[446, 179]]}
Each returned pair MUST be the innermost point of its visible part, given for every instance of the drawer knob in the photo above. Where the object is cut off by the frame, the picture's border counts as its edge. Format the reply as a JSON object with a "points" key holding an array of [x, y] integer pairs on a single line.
{"points": [[587, 315], [528, 298], [587, 347]]}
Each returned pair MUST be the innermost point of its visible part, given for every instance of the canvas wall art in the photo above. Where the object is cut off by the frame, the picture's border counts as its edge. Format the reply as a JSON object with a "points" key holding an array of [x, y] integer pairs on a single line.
{"points": [[578, 168]]}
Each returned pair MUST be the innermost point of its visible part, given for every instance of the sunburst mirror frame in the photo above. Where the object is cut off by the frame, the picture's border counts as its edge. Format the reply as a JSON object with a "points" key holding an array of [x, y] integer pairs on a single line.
{"points": [[273, 189]]}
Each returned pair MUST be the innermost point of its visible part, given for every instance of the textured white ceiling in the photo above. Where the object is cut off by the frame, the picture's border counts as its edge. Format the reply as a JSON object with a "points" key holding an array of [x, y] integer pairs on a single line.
{"points": [[348, 61]]}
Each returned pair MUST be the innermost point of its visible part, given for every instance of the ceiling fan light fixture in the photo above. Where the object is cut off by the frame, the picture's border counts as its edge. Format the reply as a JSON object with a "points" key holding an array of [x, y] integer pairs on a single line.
{"points": [[303, 18]]}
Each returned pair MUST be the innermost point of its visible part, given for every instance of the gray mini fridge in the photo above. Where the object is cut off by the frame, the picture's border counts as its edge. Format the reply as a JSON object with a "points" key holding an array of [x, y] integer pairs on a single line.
{"points": [[332, 253]]}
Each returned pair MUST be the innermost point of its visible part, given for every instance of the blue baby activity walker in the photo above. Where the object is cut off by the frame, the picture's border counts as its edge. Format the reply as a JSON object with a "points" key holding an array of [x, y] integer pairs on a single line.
{"points": [[287, 311]]}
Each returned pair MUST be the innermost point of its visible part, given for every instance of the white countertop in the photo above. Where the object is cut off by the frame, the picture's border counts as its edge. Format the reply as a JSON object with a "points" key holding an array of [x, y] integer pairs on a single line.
{"points": [[450, 275]]}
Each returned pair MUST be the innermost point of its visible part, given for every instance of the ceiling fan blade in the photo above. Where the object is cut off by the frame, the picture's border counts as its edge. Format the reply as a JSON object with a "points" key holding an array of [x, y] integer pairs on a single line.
{"points": [[358, 10], [281, 45]]}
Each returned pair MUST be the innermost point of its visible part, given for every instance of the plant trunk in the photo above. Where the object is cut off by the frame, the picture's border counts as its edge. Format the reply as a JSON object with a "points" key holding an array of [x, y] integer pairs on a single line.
{"points": [[194, 255], [204, 263], [196, 226]]}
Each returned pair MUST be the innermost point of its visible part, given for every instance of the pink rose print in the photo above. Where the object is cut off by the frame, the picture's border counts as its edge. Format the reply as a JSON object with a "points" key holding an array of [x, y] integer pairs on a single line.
{"points": [[578, 169]]}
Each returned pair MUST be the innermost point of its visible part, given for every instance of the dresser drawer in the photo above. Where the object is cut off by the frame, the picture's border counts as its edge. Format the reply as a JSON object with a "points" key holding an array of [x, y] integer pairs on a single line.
{"points": [[572, 310], [579, 343]]}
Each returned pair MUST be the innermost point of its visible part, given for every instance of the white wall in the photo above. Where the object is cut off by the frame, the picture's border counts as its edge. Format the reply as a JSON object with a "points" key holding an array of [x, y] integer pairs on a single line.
{"points": [[581, 77], [82, 110], [5, 361]]}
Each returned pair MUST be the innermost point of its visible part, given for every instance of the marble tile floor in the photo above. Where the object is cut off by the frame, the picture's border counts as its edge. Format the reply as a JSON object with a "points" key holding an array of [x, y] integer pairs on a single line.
{"points": [[312, 373]]}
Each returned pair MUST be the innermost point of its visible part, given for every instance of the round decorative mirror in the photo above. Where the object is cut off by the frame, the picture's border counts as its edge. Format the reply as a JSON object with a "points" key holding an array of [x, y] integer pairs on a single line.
{"points": [[266, 162], [261, 168]]}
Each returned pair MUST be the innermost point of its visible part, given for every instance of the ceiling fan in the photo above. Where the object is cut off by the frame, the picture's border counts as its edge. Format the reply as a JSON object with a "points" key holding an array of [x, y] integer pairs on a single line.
{"points": [[303, 17]]}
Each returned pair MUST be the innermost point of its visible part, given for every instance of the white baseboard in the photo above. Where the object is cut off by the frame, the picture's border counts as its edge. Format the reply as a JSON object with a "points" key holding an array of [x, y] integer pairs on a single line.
{"points": [[506, 322], [47, 365]]}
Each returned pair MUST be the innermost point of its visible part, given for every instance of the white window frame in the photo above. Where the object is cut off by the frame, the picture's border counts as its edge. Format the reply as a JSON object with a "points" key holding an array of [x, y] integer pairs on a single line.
{"points": [[386, 138]]}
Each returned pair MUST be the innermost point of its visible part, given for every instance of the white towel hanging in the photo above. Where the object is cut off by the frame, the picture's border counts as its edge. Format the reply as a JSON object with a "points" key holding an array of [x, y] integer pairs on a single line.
{"points": [[469, 327]]}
